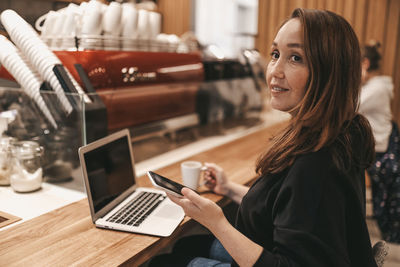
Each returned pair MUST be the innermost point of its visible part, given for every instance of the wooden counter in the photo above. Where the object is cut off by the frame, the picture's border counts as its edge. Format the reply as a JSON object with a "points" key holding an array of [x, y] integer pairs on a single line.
{"points": [[67, 236]]}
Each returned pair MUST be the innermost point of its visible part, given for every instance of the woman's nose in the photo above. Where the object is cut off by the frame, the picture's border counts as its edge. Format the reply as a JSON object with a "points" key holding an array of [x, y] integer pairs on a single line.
{"points": [[277, 69]]}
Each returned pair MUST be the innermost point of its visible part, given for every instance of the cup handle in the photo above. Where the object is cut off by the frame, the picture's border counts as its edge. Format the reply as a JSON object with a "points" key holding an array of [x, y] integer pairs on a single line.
{"points": [[203, 182], [39, 23]]}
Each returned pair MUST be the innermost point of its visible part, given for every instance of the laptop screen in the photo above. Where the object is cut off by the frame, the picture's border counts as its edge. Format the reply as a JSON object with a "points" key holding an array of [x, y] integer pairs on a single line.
{"points": [[110, 171]]}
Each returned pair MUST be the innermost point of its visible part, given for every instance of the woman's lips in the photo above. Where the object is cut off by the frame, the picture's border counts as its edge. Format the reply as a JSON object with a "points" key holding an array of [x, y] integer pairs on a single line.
{"points": [[277, 89]]}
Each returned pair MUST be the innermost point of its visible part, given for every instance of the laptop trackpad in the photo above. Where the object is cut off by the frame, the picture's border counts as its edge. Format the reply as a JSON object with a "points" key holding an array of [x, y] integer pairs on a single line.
{"points": [[169, 211]]}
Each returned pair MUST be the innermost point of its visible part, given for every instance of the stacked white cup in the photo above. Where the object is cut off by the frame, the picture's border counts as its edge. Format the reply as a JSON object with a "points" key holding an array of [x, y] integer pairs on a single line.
{"points": [[36, 51], [129, 23], [92, 25], [59, 28], [56, 38], [112, 26], [143, 29], [154, 29], [69, 31], [101, 26], [154, 24], [45, 25], [30, 81], [92, 17]]}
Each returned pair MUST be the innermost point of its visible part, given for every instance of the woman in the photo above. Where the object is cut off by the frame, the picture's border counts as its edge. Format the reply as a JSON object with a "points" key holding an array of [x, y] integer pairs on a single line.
{"points": [[307, 206], [376, 96]]}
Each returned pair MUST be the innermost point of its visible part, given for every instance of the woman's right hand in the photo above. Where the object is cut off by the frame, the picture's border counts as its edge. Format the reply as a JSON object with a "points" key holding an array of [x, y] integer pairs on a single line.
{"points": [[215, 179]]}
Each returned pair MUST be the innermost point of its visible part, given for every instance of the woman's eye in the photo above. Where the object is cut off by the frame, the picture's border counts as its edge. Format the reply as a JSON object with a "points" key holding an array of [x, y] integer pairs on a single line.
{"points": [[296, 58], [274, 55]]}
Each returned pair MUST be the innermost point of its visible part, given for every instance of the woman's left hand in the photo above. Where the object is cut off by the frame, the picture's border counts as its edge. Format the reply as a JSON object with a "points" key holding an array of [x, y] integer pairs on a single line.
{"points": [[243, 250], [201, 209]]}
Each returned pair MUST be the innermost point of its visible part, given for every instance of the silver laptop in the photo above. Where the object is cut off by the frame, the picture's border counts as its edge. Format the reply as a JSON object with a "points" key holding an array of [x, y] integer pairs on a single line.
{"points": [[115, 201]]}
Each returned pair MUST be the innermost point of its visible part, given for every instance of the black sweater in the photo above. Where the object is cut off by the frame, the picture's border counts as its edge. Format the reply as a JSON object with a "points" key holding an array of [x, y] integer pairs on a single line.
{"points": [[309, 215]]}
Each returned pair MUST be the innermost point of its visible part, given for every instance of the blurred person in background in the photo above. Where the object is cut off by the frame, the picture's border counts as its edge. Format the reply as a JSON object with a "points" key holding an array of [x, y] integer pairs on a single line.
{"points": [[375, 105]]}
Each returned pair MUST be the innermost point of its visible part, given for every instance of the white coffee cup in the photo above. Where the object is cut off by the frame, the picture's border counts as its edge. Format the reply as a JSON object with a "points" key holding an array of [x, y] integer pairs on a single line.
{"points": [[154, 24], [69, 25], [129, 20], [58, 23], [112, 19], [46, 22], [92, 18], [143, 24], [191, 173]]}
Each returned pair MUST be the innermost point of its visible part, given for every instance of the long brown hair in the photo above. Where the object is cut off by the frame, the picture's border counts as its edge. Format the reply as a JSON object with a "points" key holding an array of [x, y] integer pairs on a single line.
{"points": [[331, 100]]}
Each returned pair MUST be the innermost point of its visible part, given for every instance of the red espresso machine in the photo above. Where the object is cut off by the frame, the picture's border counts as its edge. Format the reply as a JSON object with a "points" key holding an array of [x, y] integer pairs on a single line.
{"points": [[136, 87]]}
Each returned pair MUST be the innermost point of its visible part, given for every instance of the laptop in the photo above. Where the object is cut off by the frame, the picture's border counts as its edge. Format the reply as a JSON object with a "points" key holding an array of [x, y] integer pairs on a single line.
{"points": [[115, 200]]}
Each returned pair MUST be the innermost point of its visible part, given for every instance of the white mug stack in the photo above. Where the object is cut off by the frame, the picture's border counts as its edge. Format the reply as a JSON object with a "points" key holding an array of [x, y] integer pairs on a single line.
{"points": [[143, 29], [154, 24], [45, 23], [69, 29], [56, 39], [129, 24], [91, 25], [154, 29], [112, 26], [29, 80], [100, 26], [59, 28], [36, 52]]}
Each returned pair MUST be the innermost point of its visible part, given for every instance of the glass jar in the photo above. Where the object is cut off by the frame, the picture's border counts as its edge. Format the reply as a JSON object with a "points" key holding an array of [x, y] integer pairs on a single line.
{"points": [[27, 173], [5, 159], [61, 155]]}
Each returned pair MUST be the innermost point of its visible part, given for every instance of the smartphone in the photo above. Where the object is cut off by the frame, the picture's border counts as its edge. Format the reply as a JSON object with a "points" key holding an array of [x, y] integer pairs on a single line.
{"points": [[165, 184]]}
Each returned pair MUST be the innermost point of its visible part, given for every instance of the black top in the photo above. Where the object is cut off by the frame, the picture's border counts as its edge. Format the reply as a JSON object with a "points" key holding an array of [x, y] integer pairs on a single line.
{"points": [[309, 215]]}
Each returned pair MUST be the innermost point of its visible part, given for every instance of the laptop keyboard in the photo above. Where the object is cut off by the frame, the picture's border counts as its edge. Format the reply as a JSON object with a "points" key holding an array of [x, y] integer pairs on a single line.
{"points": [[138, 209]]}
